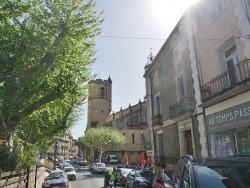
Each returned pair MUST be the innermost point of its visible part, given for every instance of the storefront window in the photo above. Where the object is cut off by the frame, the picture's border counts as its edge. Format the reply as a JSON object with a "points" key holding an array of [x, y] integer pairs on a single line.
{"points": [[243, 141], [222, 144]]}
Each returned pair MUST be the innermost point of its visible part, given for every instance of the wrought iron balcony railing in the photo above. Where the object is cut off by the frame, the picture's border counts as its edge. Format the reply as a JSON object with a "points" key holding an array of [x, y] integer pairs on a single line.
{"points": [[157, 120], [184, 106], [235, 76]]}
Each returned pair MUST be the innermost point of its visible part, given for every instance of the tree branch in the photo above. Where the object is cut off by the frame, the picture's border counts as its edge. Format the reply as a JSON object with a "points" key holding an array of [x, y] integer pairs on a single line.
{"points": [[37, 104], [46, 61]]}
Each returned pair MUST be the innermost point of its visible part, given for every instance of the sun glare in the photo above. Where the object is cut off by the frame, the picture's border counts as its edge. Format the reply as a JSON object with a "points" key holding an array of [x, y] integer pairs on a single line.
{"points": [[170, 11]]}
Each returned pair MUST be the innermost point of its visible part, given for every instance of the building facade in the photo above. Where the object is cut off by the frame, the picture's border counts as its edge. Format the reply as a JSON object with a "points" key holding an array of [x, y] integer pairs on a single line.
{"points": [[223, 56], [65, 147], [132, 123], [174, 96], [99, 102]]}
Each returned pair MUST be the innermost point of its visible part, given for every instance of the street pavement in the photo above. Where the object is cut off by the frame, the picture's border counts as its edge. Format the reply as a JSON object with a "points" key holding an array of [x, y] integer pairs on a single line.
{"points": [[86, 178]]}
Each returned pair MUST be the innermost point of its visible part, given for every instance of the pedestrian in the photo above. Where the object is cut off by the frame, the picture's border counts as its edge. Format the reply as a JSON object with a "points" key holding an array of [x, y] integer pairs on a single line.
{"points": [[113, 177], [106, 179]]}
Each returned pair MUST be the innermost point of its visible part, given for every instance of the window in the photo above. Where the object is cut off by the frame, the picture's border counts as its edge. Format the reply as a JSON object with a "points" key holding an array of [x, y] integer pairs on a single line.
{"points": [[131, 121], [133, 138], [222, 144], [217, 6], [232, 59], [177, 54], [180, 87], [102, 92], [156, 79]]}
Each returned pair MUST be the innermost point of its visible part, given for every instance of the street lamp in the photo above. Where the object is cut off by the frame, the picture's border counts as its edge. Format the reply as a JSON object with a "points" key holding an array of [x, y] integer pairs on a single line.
{"points": [[55, 151]]}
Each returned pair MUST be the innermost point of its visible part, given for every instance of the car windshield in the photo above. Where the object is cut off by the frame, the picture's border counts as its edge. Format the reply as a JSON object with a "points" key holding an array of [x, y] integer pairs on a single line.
{"points": [[169, 176], [113, 157], [55, 175], [69, 170], [125, 171], [101, 165], [145, 174]]}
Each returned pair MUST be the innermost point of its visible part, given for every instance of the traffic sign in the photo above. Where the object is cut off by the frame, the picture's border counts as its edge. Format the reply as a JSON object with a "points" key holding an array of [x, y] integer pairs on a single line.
{"points": [[149, 152]]}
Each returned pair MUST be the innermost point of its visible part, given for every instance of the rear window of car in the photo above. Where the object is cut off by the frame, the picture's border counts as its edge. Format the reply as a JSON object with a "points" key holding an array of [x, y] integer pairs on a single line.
{"points": [[69, 170], [56, 175], [101, 164], [146, 174], [207, 178]]}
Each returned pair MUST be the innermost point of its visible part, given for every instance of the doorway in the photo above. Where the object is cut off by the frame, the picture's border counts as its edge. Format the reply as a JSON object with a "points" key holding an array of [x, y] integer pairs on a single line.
{"points": [[189, 142]]}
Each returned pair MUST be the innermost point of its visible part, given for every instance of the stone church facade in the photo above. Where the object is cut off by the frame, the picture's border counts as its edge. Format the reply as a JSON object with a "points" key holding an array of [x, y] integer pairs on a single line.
{"points": [[131, 122]]}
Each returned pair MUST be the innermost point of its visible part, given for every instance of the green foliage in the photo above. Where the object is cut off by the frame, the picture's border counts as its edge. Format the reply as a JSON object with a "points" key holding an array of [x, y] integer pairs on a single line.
{"points": [[46, 53], [103, 137], [10, 157]]}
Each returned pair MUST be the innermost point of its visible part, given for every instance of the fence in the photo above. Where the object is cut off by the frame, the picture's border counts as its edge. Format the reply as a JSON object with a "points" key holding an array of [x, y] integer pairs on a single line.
{"points": [[31, 177]]}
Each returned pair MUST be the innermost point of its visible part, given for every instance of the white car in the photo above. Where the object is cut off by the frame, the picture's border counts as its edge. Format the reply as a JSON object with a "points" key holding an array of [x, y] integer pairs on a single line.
{"points": [[112, 159], [70, 172], [100, 168]]}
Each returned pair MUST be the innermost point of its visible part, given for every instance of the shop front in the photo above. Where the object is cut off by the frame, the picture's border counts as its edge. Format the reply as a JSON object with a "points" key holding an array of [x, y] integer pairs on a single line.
{"points": [[229, 131]]}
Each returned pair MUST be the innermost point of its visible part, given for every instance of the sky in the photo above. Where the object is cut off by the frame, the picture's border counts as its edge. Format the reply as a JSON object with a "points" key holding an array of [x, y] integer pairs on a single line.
{"points": [[131, 30]]}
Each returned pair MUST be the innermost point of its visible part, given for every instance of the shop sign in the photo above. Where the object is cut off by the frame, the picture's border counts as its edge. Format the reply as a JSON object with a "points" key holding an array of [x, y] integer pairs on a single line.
{"points": [[231, 118]]}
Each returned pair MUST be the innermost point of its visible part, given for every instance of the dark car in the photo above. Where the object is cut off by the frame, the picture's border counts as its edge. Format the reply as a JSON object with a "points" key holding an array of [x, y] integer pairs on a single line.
{"points": [[220, 172], [122, 174], [140, 179], [82, 162]]}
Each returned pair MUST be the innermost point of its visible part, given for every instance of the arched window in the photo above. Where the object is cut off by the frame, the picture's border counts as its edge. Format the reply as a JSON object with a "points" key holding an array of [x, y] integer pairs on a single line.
{"points": [[102, 92]]}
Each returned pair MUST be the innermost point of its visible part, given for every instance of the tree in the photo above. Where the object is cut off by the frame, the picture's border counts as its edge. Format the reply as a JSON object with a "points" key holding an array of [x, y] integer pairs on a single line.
{"points": [[46, 52], [80, 144], [101, 138]]}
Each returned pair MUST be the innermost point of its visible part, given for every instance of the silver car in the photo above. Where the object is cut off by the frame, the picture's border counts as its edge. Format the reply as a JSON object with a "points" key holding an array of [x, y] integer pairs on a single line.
{"points": [[100, 168], [57, 178]]}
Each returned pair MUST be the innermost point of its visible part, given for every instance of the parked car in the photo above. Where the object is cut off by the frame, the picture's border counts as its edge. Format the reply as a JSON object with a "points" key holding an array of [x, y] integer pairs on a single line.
{"points": [[122, 174], [91, 166], [70, 172], [82, 162], [139, 179], [111, 159], [65, 165], [100, 168], [220, 172], [163, 179], [76, 160], [57, 178]]}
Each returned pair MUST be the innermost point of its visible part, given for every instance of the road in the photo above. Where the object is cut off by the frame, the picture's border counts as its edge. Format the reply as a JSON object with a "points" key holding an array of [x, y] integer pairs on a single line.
{"points": [[85, 178]]}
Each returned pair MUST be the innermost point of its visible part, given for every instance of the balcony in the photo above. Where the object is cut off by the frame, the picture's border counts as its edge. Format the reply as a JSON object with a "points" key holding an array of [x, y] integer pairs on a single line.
{"points": [[183, 107], [157, 120], [236, 76]]}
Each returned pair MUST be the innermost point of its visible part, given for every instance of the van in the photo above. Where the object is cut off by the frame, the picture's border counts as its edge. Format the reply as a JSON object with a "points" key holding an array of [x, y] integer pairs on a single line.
{"points": [[111, 159]]}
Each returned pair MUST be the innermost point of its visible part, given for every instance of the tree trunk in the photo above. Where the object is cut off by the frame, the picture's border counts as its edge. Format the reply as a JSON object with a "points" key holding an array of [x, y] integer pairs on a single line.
{"points": [[100, 157]]}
